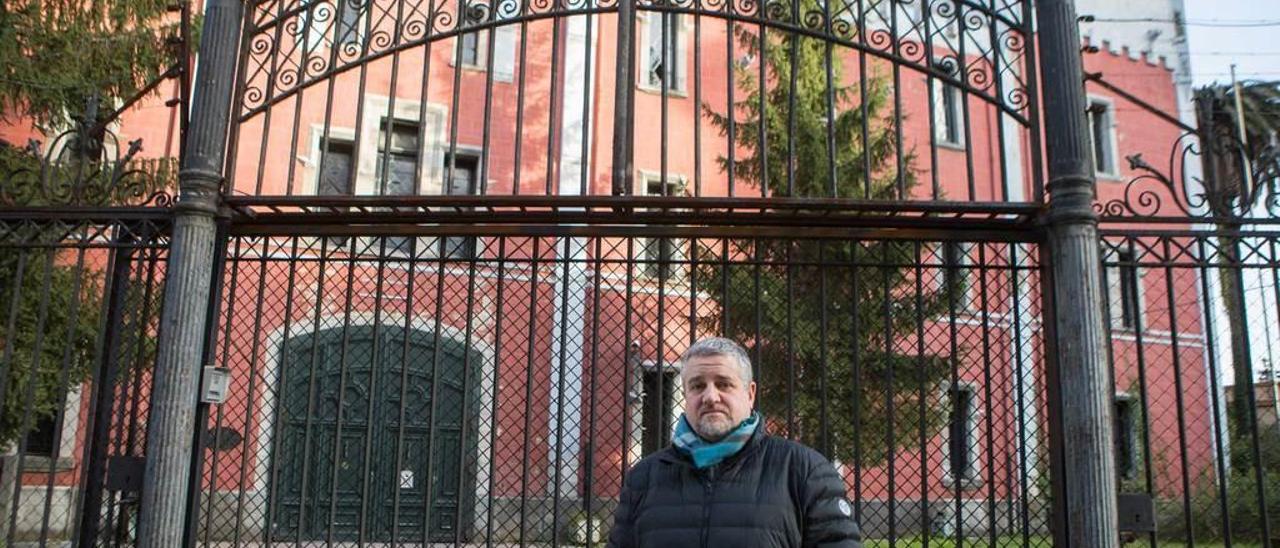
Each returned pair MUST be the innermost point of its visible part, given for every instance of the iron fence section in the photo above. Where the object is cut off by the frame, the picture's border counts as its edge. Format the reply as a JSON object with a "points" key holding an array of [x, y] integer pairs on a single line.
{"points": [[480, 390], [81, 299], [1194, 333]]}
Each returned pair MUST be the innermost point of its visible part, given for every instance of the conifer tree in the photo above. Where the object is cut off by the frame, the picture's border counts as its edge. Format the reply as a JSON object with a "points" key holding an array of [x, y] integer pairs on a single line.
{"points": [[836, 345], [56, 54], [57, 57]]}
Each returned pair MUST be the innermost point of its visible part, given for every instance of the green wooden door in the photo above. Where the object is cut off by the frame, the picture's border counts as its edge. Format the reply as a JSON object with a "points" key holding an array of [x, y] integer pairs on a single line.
{"points": [[356, 438]]}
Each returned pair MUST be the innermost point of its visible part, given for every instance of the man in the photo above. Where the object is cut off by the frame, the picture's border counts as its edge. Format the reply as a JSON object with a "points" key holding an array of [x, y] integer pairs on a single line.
{"points": [[725, 482]]}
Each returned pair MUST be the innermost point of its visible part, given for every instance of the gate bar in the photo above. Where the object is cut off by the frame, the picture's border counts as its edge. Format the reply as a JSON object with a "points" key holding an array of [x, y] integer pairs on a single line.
{"points": [[623, 159], [102, 399], [163, 513], [1084, 477]]}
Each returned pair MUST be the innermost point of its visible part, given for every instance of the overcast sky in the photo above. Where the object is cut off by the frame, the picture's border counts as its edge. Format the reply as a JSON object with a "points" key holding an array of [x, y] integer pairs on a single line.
{"points": [[1254, 49]]}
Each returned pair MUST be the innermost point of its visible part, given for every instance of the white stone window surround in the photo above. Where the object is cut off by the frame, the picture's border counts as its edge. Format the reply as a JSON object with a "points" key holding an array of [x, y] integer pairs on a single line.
{"points": [[434, 145], [1111, 164], [1115, 288], [677, 185], [647, 23]]}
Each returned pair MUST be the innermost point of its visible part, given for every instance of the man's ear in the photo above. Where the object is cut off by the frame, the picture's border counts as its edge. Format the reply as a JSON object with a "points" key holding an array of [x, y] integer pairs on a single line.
{"points": [[751, 391]]}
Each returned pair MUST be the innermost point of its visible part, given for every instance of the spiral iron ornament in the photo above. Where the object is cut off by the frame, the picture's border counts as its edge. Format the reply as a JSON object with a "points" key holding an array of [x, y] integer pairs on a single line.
{"points": [[67, 173]]}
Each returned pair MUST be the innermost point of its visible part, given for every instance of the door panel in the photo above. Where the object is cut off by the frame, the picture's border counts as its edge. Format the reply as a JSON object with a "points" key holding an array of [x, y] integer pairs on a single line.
{"points": [[402, 461]]}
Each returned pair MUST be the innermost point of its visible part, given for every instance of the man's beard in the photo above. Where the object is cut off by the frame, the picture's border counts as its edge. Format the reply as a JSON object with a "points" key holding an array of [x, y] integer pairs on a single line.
{"points": [[715, 427]]}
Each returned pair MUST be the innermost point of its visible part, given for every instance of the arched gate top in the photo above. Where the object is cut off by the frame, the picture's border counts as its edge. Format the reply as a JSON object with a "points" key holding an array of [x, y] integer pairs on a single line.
{"points": [[932, 100]]}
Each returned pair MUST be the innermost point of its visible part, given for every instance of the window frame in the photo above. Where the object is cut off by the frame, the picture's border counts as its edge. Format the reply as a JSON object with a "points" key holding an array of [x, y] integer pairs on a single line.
{"points": [[504, 51], [64, 437], [368, 149], [676, 269], [475, 158], [966, 269], [650, 21], [1125, 425], [671, 386], [636, 399], [481, 38], [1125, 292], [385, 155], [1108, 167], [50, 421], [326, 38], [948, 119], [433, 142]]}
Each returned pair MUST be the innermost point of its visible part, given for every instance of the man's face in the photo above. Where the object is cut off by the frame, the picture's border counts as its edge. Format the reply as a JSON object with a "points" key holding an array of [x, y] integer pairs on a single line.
{"points": [[715, 397]]}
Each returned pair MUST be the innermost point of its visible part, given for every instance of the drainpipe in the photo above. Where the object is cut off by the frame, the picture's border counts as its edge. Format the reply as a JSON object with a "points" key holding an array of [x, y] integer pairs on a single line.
{"points": [[183, 322]]}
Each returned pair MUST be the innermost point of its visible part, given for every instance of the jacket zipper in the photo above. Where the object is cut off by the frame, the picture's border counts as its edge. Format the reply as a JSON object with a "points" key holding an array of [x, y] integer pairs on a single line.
{"points": [[708, 488]]}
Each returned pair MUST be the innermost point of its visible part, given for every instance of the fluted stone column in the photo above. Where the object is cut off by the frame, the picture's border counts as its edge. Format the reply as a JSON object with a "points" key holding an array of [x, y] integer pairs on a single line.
{"points": [[162, 514], [1086, 487]]}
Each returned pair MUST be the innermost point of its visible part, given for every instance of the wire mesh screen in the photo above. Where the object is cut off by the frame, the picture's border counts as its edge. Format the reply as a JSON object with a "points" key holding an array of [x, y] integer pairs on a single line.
{"points": [[81, 302], [411, 390], [1194, 342]]}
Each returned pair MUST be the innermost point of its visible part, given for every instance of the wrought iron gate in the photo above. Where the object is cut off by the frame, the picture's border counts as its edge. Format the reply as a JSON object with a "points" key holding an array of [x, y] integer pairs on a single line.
{"points": [[84, 246], [458, 247]]}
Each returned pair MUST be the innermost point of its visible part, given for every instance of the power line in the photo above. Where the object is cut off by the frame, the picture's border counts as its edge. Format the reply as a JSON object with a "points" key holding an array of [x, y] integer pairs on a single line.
{"points": [[1240, 74], [1153, 74], [1238, 53], [1239, 23]]}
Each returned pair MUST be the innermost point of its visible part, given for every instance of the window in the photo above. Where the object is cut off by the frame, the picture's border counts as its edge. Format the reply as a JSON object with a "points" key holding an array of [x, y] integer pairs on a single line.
{"points": [[43, 436], [957, 274], [397, 167], [1125, 289], [661, 257], [335, 171], [1125, 436], [948, 105], [336, 175], [662, 62], [349, 22], [961, 443], [323, 30], [472, 51], [396, 171], [658, 405], [466, 169], [469, 50], [1102, 137]]}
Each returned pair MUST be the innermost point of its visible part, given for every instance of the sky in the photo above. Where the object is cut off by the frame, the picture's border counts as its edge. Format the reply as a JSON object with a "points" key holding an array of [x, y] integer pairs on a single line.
{"points": [[1244, 32]]}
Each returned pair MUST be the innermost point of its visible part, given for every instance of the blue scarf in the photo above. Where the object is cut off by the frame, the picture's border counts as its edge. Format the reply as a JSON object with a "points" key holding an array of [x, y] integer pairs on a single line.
{"points": [[705, 453]]}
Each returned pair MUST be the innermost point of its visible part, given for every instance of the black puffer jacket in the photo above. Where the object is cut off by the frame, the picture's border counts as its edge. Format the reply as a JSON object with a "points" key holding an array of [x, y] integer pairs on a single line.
{"points": [[773, 492]]}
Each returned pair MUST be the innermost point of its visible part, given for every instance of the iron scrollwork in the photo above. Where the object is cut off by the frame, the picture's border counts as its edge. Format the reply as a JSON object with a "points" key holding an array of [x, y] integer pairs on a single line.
{"points": [[84, 168], [1175, 190], [297, 43]]}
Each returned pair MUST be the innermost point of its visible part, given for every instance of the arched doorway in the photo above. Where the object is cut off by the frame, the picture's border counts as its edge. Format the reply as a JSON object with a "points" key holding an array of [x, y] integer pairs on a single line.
{"points": [[358, 440]]}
